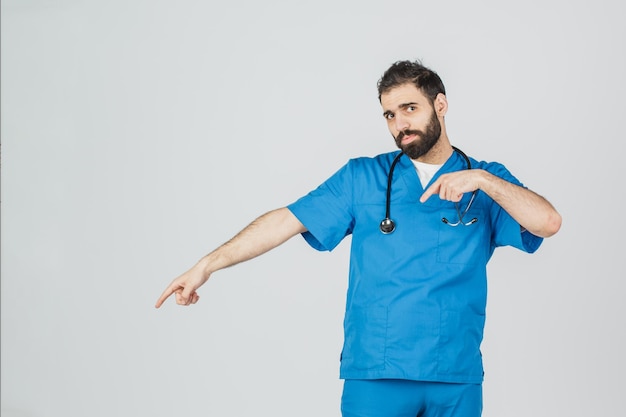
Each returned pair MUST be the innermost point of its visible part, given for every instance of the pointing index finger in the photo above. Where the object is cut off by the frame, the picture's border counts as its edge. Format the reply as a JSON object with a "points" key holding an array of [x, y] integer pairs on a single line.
{"points": [[168, 291], [433, 189]]}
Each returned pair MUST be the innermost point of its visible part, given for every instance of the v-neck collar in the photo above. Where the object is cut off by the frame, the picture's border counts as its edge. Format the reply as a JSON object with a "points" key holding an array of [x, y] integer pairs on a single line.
{"points": [[408, 173]]}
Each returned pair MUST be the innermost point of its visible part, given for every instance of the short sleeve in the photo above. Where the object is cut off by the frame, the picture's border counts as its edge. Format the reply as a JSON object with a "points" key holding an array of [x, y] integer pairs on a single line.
{"points": [[507, 231], [326, 212]]}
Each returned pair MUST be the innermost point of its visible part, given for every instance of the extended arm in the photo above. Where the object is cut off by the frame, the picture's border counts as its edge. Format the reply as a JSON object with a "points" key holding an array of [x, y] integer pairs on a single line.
{"points": [[533, 212], [265, 233]]}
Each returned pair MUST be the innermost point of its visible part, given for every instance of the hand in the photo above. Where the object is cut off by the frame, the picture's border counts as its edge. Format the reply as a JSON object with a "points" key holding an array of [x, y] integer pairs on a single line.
{"points": [[452, 186], [184, 287]]}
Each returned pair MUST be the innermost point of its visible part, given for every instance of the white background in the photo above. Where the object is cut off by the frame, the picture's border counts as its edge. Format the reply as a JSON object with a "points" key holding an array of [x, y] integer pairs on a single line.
{"points": [[138, 135]]}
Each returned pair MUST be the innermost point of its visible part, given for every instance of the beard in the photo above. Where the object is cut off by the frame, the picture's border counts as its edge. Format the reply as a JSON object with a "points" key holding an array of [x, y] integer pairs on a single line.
{"points": [[425, 139]]}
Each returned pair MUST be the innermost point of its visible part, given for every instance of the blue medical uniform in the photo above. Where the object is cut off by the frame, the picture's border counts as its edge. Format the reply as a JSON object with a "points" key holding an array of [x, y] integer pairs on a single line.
{"points": [[415, 307]]}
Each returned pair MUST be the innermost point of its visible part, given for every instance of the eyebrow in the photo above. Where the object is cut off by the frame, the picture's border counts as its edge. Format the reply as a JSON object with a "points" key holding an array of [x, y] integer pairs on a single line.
{"points": [[405, 105], [401, 107]]}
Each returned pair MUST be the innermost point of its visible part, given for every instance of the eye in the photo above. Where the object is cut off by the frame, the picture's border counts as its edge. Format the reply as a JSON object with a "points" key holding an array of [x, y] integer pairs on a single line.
{"points": [[411, 109], [389, 116]]}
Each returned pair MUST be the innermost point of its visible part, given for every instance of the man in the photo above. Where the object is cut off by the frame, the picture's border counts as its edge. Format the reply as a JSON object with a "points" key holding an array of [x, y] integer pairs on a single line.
{"points": [[415, 308]]}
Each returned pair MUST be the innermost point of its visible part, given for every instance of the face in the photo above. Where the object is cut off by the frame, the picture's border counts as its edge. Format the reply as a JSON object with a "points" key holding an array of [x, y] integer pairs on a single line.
{"points": [[411, 119]]}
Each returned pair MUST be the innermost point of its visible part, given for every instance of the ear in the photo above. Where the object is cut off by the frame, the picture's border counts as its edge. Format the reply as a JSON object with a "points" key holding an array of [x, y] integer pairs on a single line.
{"points": [[441, 105]]}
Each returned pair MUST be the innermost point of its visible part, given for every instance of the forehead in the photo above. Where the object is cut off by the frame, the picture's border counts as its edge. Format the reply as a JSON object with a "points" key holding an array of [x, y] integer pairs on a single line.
{"points": [[401, 95]]}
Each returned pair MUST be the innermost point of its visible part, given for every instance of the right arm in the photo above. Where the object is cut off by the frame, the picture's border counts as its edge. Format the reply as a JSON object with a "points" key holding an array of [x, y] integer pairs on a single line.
{"points": [[265, 233]]}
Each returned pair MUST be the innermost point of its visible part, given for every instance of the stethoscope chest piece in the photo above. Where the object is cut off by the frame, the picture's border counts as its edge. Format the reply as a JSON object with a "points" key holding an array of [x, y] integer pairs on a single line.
{"points": [[387, 226]]}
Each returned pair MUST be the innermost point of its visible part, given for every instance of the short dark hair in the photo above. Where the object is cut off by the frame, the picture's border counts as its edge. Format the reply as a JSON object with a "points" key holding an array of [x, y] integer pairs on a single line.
{"points": [[402, 72]]}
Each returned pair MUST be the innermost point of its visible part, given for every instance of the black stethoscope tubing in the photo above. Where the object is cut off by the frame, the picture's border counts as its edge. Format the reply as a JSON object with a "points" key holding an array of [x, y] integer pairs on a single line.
{"points": [[387, 225]]}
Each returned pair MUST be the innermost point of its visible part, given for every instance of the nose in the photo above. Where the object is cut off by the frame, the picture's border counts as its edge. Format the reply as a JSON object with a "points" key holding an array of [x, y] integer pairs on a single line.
{"points": [[401, 123]]}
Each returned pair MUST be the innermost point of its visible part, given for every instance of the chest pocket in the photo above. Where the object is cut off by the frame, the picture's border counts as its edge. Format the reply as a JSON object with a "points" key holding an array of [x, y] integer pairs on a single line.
{"points": [[461, 244]]}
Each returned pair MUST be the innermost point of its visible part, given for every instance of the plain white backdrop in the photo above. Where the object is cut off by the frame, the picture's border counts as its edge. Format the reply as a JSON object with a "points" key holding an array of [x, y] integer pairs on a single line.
{"points": [[139, 135]]}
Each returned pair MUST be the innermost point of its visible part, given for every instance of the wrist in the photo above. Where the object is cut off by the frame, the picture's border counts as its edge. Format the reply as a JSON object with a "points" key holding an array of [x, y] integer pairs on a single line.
{"points": [[483, 179], [204, 266]]}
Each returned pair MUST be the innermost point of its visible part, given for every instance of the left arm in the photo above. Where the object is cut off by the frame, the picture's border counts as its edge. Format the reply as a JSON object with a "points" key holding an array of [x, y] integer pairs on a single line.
{"points": [[533, 212]]}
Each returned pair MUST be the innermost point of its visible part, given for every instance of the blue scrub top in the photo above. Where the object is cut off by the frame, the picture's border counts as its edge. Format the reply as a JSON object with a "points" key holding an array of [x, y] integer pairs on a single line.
{"points": [[416, 298]]}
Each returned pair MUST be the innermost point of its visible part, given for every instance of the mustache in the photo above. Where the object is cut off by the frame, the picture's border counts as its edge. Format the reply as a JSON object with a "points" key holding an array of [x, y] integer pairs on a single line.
{"points": [[408, 132]]}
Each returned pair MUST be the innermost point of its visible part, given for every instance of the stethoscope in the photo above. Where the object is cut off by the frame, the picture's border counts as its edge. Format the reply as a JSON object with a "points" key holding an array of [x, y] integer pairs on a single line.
{"points": [[388, 226]]}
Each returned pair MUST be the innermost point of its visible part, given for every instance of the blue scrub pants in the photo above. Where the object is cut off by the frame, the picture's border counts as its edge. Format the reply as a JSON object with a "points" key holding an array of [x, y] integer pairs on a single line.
{"points": [[405, 398]]}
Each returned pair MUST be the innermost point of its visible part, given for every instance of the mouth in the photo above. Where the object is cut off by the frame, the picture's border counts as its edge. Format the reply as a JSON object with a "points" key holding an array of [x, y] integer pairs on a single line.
{"points": [[407, 139], [404, 138]]}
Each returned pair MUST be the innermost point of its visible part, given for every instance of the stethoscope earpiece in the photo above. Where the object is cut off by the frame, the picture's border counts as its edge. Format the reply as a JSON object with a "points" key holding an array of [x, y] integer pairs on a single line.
{"points": [[387, 226]]}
